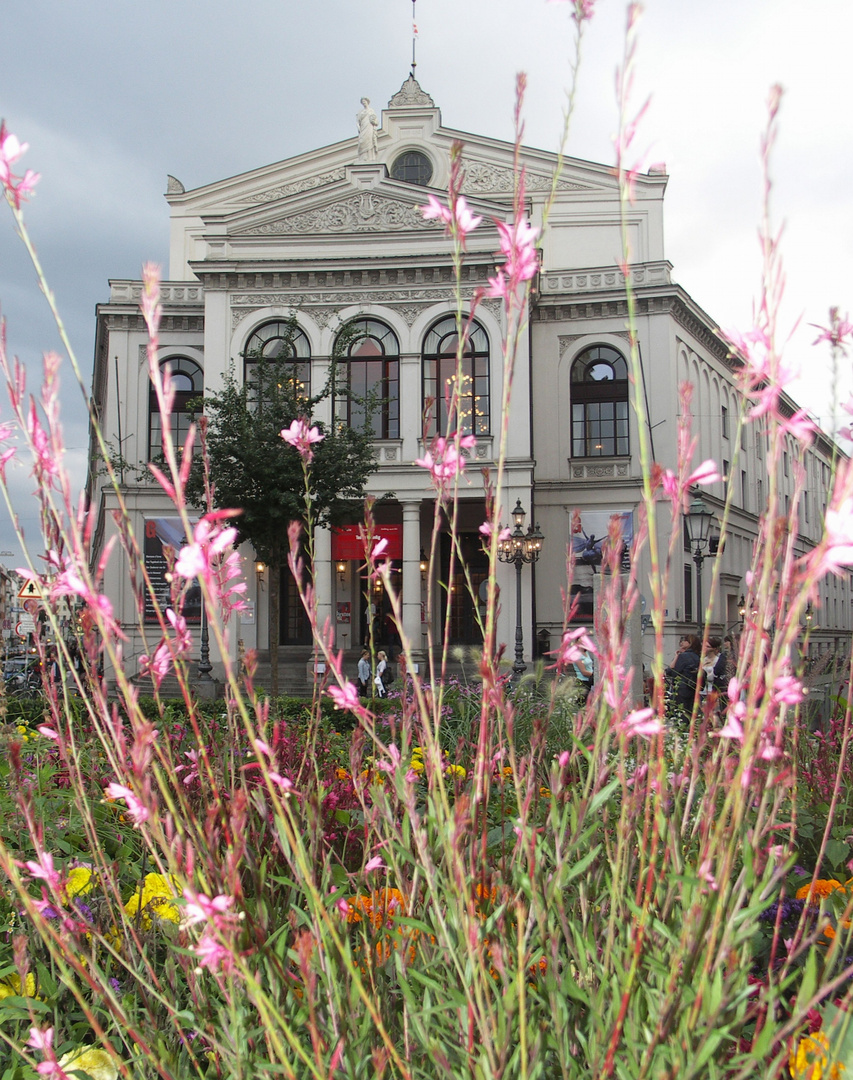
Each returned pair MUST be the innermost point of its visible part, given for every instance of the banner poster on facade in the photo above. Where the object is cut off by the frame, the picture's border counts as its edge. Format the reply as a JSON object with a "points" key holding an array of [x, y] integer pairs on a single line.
{"points": [[160, 533], [590, 537]]}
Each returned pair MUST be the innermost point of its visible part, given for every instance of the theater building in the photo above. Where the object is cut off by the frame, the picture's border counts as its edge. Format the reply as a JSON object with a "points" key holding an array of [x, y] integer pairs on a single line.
{"points": [[336, 236]]}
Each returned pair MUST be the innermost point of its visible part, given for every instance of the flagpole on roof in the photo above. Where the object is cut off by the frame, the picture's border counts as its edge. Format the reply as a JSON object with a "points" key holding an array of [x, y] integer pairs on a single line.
{"points": [[414, 38]]}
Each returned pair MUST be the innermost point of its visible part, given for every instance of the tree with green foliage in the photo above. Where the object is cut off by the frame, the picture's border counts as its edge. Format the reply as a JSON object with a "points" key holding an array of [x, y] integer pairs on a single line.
{"points": [[254, 470]]}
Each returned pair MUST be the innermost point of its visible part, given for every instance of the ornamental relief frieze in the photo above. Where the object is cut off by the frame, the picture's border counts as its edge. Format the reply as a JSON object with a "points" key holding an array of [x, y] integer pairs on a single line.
{"points": [[308, 183], [367, 212], [408, 303], [481, 177]]}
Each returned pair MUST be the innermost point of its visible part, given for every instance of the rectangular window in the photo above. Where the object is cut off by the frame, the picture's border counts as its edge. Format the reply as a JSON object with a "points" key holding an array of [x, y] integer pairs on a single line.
{"points": [[785, 463], [688, 592], [724, 418], [374, 397], [725, 471], [743, 489], [600, 429]]}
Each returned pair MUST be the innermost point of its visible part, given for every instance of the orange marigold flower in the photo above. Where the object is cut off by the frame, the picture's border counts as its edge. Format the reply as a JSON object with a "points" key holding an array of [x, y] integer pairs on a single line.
{"points": [[810, 1059], [821, 888], [341, 774], [378, 907]]}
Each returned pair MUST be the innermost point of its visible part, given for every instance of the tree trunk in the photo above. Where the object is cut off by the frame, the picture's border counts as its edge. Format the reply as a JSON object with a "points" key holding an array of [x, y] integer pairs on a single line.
{"points": [[275, 620]]}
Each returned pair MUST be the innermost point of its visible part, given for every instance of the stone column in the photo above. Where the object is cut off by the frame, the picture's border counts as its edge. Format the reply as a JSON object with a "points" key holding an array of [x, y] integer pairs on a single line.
{"points": [[412, 577], [323, 578]]}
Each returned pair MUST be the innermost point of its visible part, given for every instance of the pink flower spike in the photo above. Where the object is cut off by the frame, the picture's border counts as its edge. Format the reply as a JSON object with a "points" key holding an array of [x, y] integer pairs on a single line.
{"points": [[466, 221], [41, 1040], [643, 723], [44, 869], [379, 548], [707, 473], [200, 908], [345, 697], [436, 211], [300, 436], [137, 810], [733, 729]]}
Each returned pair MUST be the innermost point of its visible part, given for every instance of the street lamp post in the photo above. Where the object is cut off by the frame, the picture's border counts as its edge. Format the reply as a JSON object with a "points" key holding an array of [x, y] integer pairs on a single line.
{"points": [[699, 520], [518, 548]]}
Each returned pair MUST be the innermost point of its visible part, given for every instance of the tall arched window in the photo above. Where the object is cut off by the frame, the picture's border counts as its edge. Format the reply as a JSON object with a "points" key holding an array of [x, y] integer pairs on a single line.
{"points": [[188, 382], [369, 376], [599, 388], [280, 340], [470, 379]]}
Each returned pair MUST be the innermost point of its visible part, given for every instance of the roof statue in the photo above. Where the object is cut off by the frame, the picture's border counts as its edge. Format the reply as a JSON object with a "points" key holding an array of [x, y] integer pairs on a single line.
{"points": [[367, 125], [409, 94]]}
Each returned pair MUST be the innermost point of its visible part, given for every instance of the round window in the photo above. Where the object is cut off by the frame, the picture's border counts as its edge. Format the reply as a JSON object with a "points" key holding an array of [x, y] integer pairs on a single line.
{"points": [[413, 167]]}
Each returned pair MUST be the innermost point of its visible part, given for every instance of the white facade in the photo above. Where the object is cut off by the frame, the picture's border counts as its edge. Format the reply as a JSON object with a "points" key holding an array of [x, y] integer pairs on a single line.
{"points": [[330, 238]]}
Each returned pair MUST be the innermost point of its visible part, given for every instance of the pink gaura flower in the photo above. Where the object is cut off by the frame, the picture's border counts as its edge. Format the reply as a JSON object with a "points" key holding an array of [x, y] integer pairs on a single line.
{"points": [[44, 869], [582, 10], [518, 244], [839, 538], [345, 697], [302, 437], [707, 473], [212, 954], [642, 723], [788, 690], [839, 332], [458, 218], [202, 909], [487, 529], [210, 540], [376, 863], [17, 188], [444, 461], [574, 644], [379, 548], [135, 807]]}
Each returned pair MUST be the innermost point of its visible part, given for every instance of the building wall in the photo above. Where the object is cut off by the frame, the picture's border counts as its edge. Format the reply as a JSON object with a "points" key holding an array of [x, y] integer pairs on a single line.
{"points": [[328, 238]]}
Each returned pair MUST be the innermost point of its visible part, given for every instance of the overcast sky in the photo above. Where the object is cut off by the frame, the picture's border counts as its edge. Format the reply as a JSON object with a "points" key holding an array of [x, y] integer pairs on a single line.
{"points": [[113, 95]]}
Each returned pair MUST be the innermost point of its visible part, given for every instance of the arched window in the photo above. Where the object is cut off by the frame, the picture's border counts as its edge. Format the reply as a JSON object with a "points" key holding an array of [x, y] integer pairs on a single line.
{"points": [[443, 375], [599, 389], [280, 340], [369, 378], [188, 382]]}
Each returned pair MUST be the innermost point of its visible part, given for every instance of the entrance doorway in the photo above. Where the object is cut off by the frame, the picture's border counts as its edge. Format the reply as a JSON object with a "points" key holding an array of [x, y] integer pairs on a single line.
{"points": [[465, 603]]}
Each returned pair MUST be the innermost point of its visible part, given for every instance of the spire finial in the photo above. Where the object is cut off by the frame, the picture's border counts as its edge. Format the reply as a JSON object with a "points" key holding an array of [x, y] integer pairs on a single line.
{"points": [[414, 38]]}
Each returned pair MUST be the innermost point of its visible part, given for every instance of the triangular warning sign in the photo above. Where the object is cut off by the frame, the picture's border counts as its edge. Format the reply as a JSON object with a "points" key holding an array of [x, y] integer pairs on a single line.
{"points": [[30, 590]]}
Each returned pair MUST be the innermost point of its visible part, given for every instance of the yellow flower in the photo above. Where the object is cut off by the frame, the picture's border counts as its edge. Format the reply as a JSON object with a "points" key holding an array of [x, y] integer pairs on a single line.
{"points": [[341, 774], [810, 1060], [158, 891], [11, 986], [455, 771], [820, 889], [417, 765], [545, 792], [79, 881], [90, 1060]]}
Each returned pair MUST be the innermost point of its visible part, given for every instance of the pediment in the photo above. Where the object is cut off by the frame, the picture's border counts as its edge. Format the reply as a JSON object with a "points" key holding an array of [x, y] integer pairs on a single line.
{"points": [[376, 205]]}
